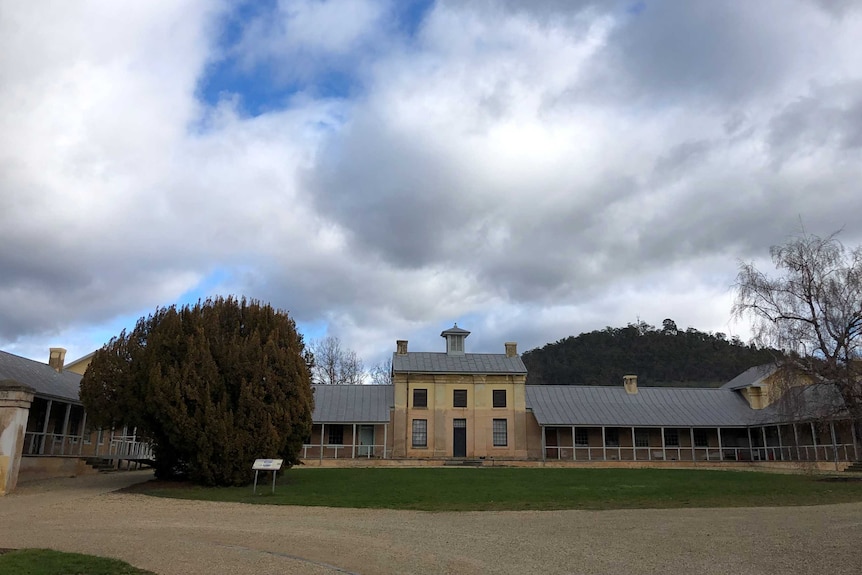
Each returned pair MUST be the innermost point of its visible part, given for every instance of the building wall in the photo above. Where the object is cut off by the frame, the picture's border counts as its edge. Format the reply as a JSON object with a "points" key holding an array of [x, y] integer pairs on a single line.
{"points": [[479, 414], [14, 409]]}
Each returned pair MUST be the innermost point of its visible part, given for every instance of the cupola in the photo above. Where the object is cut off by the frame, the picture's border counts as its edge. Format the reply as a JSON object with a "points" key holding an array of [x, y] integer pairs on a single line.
{"points": [[455, 340]]}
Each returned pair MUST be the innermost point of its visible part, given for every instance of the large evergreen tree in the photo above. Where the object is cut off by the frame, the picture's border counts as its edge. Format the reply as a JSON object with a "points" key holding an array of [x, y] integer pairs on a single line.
{"points": [[214, 386]]}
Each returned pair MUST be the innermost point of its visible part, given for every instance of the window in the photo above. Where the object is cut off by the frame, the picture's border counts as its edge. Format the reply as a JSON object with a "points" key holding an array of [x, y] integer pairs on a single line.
{"points": [[336, 435], [459, 398], [671, 437], [582, 438], [641, 437], [612, 437], [456, 344], [420, 398], [700, 438], [420, 433], [499, 398], [501, 438]]}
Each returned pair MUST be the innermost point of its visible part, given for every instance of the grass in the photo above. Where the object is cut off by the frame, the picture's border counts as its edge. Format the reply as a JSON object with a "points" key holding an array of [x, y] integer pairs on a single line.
{"points": [[441, 489], [47, 562]]}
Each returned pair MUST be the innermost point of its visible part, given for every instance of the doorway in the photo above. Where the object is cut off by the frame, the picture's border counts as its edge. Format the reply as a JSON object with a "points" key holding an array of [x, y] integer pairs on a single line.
{"points": [[459, 438], [366, 440]]}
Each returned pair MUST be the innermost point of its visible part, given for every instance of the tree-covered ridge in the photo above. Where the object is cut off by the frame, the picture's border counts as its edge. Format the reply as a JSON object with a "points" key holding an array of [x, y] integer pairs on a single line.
{"points": [[666, 356]]}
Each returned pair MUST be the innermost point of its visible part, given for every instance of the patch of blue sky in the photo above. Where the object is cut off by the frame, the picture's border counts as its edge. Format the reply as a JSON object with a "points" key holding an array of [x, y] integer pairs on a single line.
{"points": [[411, 14], [210, 286], [265, 85], [636, 8], [312, 330]]}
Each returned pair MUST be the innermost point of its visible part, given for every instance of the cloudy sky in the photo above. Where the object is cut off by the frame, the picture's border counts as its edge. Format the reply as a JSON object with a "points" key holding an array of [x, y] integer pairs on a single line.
{"points": [[531, 170]]}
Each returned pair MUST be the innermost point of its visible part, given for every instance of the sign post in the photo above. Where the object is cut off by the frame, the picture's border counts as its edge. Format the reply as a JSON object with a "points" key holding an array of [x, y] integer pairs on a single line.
{"points": [[266, 465]]}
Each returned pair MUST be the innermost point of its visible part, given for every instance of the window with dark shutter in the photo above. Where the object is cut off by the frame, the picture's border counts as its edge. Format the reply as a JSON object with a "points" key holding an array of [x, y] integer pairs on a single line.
{"points": [[459, 398], [499, 398], [420, 398]]}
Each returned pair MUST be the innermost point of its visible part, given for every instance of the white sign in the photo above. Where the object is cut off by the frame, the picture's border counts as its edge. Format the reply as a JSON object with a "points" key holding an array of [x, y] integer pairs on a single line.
{"points": [[267, 464]]}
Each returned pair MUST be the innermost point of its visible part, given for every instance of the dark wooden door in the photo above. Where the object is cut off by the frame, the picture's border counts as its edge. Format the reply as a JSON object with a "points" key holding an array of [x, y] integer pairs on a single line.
{"points": [[459, 438]]}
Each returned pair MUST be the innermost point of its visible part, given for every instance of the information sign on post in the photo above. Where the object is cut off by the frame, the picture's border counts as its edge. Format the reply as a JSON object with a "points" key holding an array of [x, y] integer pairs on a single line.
{"points": [[266, 465]]}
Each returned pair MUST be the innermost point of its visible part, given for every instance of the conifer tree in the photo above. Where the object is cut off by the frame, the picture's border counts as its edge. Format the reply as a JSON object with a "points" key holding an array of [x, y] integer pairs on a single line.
{"points": [[214, 386]]}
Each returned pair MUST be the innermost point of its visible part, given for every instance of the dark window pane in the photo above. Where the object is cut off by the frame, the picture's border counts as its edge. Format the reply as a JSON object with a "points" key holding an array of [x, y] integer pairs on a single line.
{"points": [[459, 398], [420, 398], [499, 398]]}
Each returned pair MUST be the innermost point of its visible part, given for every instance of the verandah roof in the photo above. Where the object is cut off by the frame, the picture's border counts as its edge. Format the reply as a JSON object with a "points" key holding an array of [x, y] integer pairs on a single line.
{"points": [[567, 405], [352, 403]]}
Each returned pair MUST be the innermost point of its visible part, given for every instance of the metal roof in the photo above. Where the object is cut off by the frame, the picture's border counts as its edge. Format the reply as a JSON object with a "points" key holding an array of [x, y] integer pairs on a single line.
{"points": [[454, 330], [752, 377], [41, 377], [430, 362], [650, 407], [352, 403], [805, 403]]}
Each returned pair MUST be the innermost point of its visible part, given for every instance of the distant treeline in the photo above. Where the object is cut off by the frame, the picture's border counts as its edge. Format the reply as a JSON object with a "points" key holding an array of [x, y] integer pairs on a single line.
{"points": [[666, 356]]}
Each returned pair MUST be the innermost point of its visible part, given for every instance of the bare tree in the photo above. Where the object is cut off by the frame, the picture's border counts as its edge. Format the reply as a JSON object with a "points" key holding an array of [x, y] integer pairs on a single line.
{"points": [[335, 364], [813, 311], [381, 374]]}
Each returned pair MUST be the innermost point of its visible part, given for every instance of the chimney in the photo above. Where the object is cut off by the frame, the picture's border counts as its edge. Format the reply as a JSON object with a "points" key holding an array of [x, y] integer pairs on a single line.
{"points": [[56, 358], [401, 346], [631, 384], [511, 349]]}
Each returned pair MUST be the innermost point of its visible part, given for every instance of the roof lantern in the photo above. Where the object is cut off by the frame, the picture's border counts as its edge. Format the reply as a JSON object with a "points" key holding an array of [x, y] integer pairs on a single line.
{"points": [[455, 340]]}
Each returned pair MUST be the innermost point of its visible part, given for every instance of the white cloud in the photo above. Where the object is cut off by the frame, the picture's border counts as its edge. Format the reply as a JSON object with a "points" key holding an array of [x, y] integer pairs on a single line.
{"points": [[531, 172]]}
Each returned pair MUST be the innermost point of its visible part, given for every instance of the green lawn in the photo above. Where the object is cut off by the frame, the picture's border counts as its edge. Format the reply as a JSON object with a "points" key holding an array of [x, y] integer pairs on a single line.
{"points": [[47, 562], [442, 489]]}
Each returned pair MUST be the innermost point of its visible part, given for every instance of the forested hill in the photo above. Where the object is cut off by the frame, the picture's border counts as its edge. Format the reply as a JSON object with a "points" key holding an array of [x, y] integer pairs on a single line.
{"points": [[666, 356]]}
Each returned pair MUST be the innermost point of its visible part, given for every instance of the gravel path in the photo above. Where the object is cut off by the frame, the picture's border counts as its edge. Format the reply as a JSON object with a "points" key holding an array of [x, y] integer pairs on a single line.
{"points": [[194, 537]]}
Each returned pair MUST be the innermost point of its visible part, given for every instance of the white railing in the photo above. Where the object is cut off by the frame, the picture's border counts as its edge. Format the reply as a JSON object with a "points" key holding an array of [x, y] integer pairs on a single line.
{"points": [[129, 447], [118, 446], [845, 452], [342, 451]]}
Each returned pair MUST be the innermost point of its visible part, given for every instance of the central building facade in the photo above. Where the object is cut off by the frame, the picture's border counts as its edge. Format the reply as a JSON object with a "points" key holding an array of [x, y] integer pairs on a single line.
{"points": [[457, 404]]}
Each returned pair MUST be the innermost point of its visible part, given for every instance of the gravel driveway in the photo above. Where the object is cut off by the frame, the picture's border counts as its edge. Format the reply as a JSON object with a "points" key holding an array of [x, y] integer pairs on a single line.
{"points": [[194, 537]]}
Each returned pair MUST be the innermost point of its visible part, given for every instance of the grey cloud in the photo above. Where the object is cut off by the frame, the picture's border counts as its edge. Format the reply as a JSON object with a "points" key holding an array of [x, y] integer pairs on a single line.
{"points": [[829, 118], [397, 195], [702, 51]]}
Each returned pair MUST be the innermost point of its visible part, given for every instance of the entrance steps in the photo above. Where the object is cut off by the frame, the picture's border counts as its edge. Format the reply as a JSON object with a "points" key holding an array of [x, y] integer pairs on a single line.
{"points": [[100, 464], [855, 467], [463, 463]]}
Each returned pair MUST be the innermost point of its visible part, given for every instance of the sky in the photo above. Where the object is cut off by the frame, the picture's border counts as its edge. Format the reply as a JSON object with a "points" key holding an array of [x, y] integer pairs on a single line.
{"points": [[383, 169]]}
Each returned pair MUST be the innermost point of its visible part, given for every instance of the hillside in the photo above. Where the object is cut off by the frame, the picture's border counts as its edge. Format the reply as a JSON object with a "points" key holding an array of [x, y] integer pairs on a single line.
{"points": [[666, 356]]}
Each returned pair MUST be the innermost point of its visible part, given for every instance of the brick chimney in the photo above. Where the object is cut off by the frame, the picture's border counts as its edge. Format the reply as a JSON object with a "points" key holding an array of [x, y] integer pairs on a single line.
{"points": [[401, 347], [511, 349], [56, 358], [631, 384]]}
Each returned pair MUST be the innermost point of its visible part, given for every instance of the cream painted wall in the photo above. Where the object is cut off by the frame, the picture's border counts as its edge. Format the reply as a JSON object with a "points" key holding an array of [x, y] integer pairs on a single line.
{"points": [[15, 403], [479, 414]]}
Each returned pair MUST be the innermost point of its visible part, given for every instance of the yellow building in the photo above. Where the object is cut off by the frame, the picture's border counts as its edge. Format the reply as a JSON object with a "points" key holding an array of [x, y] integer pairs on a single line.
{"points": [[458, 404]]}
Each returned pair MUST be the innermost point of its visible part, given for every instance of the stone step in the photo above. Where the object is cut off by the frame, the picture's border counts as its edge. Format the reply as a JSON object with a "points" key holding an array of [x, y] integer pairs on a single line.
{"points": [[464, 463]]}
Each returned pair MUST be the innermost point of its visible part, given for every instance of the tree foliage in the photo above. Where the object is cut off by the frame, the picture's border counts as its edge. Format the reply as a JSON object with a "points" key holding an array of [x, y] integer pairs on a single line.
{"points": [[811, 309], [658, 357], [213, 386]]}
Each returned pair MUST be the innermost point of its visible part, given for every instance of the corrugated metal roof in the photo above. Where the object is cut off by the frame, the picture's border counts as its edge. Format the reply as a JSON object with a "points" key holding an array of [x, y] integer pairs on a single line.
{"points": [[352, 403], [805, 403], [753, 376], [650, 407], [41, 377], [430, 362]]}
